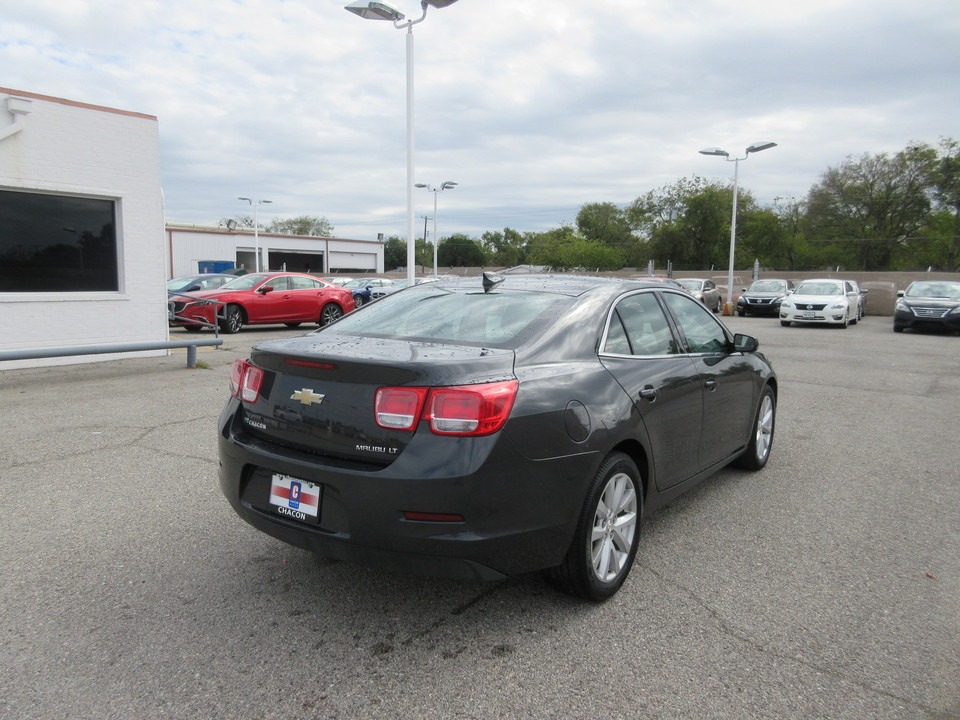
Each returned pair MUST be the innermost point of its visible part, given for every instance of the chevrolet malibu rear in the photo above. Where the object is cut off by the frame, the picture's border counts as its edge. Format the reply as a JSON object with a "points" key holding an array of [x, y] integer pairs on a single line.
{"points": [[453, 429]]}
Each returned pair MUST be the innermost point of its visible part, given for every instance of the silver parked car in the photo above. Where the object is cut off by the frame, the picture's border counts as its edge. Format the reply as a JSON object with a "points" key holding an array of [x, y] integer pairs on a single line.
{"points": [[706, 291]]}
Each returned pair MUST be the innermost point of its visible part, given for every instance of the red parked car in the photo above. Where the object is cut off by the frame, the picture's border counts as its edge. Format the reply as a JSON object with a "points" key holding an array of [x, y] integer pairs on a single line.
{"points": [[262, 299]]}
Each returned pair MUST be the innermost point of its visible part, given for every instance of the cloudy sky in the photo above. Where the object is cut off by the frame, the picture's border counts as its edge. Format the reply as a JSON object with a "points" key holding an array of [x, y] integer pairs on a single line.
{"points": [[534, 107]]}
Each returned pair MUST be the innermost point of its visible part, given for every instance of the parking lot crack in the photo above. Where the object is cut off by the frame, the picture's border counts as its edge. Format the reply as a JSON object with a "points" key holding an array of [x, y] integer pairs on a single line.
{"points": [[444, 619], [739, 635]]}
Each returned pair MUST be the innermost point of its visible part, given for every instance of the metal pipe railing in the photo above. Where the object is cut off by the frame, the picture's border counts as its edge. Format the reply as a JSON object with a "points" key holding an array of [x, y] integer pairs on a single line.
{"points": [[37, 353]]}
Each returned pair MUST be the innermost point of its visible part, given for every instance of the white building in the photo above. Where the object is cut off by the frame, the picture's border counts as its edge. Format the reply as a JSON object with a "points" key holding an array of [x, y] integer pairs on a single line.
{"points": [[194, 249], [82, 252]]}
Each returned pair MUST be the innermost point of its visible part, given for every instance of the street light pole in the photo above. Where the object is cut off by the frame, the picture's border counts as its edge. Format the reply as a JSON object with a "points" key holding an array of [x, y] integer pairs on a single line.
{"points": [[256, 229], [728, 309], [376, 10], [445, 185]]}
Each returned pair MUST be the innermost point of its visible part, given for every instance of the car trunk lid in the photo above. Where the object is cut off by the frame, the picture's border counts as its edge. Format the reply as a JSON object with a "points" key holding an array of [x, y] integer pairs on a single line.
{"points": [[318, 392]]}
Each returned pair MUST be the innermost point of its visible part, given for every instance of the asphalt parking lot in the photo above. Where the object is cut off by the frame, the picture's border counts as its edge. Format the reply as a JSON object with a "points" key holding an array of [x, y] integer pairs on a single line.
{"points": [[825, 586]]}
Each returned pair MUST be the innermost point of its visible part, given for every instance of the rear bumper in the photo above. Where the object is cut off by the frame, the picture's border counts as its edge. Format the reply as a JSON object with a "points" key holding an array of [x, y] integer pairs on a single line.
{"points": [[519, 514]]}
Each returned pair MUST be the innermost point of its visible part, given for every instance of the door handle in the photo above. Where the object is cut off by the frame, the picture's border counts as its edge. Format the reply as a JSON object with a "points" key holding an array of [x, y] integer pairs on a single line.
{"points": [[649, 393], [710, 385]]}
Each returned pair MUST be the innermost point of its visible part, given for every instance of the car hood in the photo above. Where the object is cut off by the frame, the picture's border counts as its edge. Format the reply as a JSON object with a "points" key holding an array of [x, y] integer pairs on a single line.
{"points": [[932, 302], [755, 294]]}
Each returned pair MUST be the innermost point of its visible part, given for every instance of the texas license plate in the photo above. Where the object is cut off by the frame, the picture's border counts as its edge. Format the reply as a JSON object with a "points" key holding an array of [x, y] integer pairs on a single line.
{"points": [[295, 498]]}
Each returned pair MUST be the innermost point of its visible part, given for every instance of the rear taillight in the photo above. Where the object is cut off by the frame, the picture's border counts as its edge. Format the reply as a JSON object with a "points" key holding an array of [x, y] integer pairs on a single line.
{"points": [[399, 408], [245, 380], [460, 410]]}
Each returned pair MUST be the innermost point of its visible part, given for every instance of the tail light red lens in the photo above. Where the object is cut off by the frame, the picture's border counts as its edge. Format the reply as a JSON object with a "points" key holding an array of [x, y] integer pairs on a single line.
{"points": [[245, 380], [399, 408], [464, 410]]}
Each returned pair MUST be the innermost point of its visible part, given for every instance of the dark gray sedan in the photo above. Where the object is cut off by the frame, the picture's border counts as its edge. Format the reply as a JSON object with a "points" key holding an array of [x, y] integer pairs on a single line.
{"points": [[483, 430], [928, 304]]}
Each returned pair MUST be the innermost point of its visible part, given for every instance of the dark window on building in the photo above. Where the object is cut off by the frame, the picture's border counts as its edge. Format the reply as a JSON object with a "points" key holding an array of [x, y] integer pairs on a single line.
{"points": [[57, 243]]}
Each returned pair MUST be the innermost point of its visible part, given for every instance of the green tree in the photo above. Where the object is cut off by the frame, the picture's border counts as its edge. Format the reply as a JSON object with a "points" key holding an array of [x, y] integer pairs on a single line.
{"points": [[688, 223], [946, 186], [605, 223], [873, 204], [507, 248], [394, 253], [459, 250], [302, 225], [565, 249]]}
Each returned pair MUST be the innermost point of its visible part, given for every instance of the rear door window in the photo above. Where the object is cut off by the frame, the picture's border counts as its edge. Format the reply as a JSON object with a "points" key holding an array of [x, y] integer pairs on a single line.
{"points": [[639, 327], [702, 331]]}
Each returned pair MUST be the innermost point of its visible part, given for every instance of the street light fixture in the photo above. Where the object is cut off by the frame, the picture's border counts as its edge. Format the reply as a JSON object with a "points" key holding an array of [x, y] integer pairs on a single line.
{"points": [[256, 229], [755, 148], [445, 185], [377, 10]]}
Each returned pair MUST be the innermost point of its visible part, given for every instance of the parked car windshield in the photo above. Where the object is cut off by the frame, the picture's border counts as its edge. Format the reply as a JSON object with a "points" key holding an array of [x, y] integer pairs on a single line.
{"points": [[244, 282], [818, 288], [934, 290], [694, 285], [768, 286], [362, 283], [430, 313]]}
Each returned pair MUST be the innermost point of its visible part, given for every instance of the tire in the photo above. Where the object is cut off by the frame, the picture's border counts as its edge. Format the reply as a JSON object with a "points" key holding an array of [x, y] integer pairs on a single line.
{"points": [[719, 306], [608, 531], [761, 441], [193, 328], [292, 325], [331, 313], [785, 323], [898, 328], [232, 320], [741, 313], [358, 300]]}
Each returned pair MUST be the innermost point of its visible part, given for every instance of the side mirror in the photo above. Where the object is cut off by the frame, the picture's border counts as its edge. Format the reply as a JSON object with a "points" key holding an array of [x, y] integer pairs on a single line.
{"points": [[194, 287], [265, 289], [745, 343], [900, 293]]}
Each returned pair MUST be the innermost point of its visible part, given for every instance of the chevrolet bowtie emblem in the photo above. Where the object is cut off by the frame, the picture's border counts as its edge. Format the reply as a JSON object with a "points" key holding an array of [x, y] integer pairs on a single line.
{"points": [[307, 397]]}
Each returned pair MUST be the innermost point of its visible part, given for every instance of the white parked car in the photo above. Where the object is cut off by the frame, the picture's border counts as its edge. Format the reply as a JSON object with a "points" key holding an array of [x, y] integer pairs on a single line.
{"points": [[835, 302]]}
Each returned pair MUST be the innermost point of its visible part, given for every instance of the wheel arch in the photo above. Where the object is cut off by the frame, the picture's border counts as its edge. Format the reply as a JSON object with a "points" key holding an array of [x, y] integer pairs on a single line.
{"points": [[635, 450], [243, 310]]}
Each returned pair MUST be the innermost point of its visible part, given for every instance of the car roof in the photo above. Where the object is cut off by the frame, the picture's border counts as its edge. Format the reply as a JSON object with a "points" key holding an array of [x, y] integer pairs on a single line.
{"points": [[563, 284]]}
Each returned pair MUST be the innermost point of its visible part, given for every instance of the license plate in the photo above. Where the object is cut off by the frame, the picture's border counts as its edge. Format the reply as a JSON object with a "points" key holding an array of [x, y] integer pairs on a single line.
{"points": [[295, 498], [807, 315]]}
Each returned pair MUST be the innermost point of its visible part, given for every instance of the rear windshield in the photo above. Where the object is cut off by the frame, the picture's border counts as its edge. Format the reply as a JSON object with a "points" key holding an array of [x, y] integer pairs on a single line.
{"points": [[431, 313]]}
